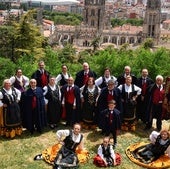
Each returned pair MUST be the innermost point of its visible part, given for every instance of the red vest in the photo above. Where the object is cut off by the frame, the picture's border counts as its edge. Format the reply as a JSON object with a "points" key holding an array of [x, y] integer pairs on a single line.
{"points": [[85, 78], [110, 96], [69, 96], [158, 96], [44, 80], [144, 86]]}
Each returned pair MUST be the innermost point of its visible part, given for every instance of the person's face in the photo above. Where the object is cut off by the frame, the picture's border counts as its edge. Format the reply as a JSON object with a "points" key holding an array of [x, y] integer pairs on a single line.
{"points": [[90, 81], [159, 81], [110, 86], [107, 73], [52, 81], [105, 142], [19, 73], [64, 69], [127, 71], [7, 85], [128, 81], [70, 81], [111, 106], [144, 73], [164, 135], [85, 67], [76, 129], [41, 65], [33, 84]]}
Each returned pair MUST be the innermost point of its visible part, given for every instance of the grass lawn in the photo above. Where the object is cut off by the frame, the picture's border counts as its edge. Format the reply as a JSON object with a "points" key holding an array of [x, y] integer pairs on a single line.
{"points": [[18, 153]]}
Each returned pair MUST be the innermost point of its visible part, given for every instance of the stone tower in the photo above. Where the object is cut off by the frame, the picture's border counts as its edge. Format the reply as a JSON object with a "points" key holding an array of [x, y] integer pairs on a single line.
{"points": [[94, 13], [152, 20]]}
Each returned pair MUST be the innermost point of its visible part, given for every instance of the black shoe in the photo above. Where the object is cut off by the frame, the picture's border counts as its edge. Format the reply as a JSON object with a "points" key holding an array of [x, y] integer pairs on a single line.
{"points": [[38, 157], [52, 126]]}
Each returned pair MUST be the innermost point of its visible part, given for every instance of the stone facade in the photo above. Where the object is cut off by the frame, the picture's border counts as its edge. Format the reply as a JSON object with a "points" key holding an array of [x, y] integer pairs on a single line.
{"points": [[96, 23]]}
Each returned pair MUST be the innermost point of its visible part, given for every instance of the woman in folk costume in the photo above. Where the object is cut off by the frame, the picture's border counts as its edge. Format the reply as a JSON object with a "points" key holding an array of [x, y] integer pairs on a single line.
{"points": [[106, 157], [19, 81], [69, 151], [62, 78], [160, 144], [53, 95], [34, 116], [129, 93], [41, 75], [10, 97], [89, 95]]}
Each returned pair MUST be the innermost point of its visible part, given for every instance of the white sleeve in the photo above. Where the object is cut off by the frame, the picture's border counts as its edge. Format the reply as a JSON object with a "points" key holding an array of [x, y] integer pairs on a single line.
{"points": [[1, 95], [12, 79], [138, 89], [18, 94], [112, 152], [26, 81], [45, 90], [120, 88], [58, 78], [100, 152], [62, 133], [153, 136], [99, 81], [81, 91]]}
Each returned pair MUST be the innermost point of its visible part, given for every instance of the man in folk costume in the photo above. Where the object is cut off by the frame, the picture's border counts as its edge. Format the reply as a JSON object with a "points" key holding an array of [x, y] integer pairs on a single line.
{"points": [[34, 116], [83, 75], [127, 72], [155, 96], [129, 93], [70, 98], [143, 82], [107, 94], [41, 75]]}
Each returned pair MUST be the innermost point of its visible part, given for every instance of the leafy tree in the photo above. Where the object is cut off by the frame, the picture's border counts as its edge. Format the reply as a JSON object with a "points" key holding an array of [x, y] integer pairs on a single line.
{"points": [[28, 38]]}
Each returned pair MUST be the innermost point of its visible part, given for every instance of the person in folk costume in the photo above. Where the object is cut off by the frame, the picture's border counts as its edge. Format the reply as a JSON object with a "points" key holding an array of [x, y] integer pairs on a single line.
{"points": [[89, 96], [83, 75], [34, 115], [62, 78], [112, 121], [143, 82], [53, 95], [73, 139], [160, 144], [111, 92], [127, 72], [106, 157], [70, 99], [41, 75], [10, 97], [129, 92], [103, 80], [166, 103], [19, 81], [155, 97]]}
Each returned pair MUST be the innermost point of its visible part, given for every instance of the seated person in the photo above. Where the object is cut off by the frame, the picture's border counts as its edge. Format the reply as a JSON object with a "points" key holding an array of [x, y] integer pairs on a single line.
{"points": [[106, 156], [160, 144], [69, 152]]}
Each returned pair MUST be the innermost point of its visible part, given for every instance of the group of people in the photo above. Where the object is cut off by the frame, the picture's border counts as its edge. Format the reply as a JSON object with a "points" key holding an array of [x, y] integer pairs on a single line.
{"points": [[107, 102]]}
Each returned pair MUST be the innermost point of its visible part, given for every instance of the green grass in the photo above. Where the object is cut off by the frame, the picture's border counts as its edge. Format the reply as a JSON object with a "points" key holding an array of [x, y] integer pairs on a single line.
{"points": [[18, 153]]}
